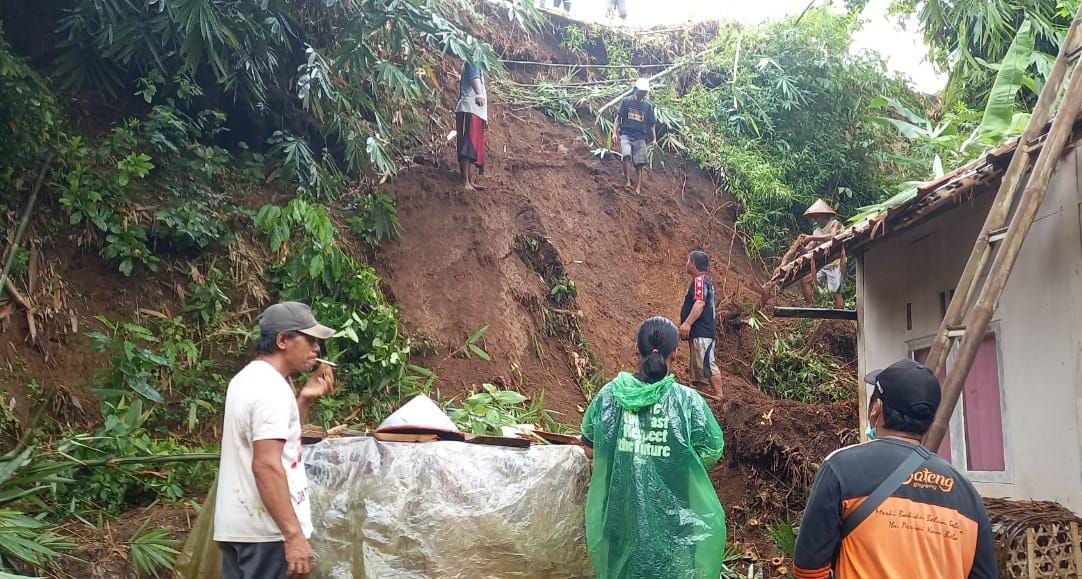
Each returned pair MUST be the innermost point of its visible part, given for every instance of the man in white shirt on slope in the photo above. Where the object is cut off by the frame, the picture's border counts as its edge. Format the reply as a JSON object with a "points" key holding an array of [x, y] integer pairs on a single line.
{"points": [[263, 518]]}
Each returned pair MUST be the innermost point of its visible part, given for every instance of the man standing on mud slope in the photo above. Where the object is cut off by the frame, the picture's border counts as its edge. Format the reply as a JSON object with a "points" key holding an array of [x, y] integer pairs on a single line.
{"points": [[471, 117], [263, 518], [697, 323], [634, 121]]}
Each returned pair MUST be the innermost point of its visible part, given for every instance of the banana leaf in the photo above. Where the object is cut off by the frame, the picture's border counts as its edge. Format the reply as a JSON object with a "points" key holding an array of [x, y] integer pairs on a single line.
{"points": [[1002, 99]]}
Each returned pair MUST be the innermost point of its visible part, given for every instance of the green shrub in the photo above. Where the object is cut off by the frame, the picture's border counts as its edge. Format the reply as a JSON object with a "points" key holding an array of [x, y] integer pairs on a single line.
{"points": [[487, 410], [135, 366], [787, 368], [125, 432], [30, 119], [376, 220], [344, 294], [563, 292], [330, 76], [191, 225], [789, 124]]}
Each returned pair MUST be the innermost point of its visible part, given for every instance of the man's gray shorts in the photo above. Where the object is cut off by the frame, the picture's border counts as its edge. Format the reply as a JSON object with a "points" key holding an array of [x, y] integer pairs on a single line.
{"points": [[253, 560], [831, 277], [637, 150]]}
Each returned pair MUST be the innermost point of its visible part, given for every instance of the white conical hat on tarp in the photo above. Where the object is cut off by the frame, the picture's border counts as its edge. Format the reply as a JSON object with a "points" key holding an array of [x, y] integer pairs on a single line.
{"points": [[419, 413], [820, 207]]}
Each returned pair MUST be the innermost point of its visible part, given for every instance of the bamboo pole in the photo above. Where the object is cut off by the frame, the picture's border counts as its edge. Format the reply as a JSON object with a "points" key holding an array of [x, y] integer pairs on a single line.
{"points": [[1076, 548], [977, 322], [657, 77], [13, 248], [565, 65], [1031, 554], [736, 67], [997, 215], [157, 459]]}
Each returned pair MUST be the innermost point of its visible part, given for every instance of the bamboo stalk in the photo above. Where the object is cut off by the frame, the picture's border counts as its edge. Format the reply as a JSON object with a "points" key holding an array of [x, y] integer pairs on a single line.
{"points": [[736, 66], [73, 463], [978, 319], [564, 65], [25, 219], [1076, 548], [656, 77], [1031, 553], [816, 313]]}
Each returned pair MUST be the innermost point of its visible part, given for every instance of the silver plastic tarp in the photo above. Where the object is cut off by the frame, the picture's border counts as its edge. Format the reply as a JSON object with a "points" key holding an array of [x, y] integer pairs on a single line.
{"points": [[433, 510], [447, 510]]}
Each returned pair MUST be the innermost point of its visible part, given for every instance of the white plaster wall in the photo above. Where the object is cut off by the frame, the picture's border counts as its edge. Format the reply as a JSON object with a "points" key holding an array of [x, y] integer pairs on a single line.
{"points": [[1039, 321]]}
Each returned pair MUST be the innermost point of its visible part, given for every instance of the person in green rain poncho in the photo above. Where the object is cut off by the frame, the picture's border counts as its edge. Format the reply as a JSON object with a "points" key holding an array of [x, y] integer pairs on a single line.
{"points": [[651, 511]]}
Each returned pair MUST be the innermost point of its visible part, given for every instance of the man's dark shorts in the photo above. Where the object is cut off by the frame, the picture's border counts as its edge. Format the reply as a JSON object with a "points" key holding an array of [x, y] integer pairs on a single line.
{"points": [[253, 560]]}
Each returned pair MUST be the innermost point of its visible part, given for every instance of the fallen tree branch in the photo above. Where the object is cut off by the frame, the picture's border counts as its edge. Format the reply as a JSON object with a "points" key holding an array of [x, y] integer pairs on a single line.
{"points": [[17, 296], [55, 466], [13, 248], [31, 322]]}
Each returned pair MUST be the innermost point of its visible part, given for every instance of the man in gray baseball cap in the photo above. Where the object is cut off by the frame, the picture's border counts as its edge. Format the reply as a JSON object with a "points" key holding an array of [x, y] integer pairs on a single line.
{"points": [[292, 317], [263, 519]]}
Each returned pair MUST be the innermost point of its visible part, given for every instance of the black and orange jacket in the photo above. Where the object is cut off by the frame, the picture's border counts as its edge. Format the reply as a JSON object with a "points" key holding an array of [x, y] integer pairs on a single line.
{"points": [[933, 527]]}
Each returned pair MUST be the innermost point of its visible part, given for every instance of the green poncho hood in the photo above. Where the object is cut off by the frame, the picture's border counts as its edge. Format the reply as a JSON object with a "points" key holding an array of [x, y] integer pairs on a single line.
{"points": [[633, 394]]}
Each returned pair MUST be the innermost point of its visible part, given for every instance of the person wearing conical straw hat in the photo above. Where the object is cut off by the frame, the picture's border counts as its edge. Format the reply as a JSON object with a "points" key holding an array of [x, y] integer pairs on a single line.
{"points": [[830, 275]]}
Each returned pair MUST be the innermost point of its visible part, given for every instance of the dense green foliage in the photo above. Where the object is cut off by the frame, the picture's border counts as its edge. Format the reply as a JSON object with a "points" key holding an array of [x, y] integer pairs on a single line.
{"points": [[344, 293], [787, 366], [216, 102], [780, 112], [30, 117], [790, 123], [329, 77], [968, 38], [961, 134]]}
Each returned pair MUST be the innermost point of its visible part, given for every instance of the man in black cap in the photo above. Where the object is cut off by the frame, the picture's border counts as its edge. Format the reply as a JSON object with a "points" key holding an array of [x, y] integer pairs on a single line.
{"points": [[889, 507], [262, 519]]}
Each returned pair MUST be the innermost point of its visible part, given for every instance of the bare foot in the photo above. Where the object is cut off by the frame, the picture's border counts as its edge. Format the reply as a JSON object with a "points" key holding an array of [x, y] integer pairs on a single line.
{"points": [[627, 185], [468, 187]]}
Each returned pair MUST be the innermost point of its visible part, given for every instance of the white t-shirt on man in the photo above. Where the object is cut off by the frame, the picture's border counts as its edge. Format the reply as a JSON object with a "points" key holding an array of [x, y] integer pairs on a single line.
{"points": [[259, 405]]}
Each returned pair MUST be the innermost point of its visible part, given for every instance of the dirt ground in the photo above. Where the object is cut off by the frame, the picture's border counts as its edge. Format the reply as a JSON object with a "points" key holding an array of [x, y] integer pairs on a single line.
{"points": [[456, 270]]}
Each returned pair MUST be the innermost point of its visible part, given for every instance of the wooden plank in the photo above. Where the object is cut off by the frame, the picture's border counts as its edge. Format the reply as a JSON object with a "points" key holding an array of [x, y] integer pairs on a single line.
{"points": [[816, 313], [497, 441], [399, 437]]}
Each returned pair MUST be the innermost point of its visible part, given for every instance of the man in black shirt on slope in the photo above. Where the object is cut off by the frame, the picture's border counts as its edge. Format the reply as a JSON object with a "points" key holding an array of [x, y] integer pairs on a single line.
{"points": [[697, 323]]}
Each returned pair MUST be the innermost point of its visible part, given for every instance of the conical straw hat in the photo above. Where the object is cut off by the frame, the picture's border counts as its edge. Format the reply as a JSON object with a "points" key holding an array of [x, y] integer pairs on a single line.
{"points": [[820, 207]]}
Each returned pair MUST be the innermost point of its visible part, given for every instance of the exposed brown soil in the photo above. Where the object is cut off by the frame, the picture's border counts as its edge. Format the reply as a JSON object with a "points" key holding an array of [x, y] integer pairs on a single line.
{"points": [[71, 287], [457, 269]]}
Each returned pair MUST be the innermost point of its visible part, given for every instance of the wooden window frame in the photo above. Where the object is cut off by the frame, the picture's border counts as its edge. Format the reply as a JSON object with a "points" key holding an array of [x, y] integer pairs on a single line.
{"points": [[959, 452]]}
